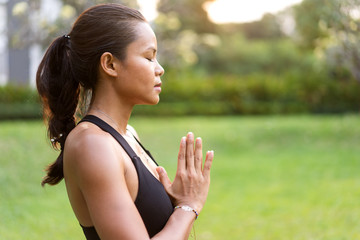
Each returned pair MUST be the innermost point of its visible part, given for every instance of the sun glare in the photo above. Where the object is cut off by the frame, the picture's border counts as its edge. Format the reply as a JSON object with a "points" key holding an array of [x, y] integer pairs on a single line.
{"points": [[148, 8], [224, 11]]}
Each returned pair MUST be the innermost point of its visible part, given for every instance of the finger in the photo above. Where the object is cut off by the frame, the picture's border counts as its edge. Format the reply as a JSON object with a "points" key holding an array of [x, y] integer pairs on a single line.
{"points": [[207, 164], [198, 154], [163, 177], [190, 151], [182, 154]]}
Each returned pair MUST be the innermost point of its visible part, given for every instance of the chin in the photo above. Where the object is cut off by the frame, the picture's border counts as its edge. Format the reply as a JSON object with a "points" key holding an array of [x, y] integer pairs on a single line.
{"points": [[151, 101], [155, 102]]}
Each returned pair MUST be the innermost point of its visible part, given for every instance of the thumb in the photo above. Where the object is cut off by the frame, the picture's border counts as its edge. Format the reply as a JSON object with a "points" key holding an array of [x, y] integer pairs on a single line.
{"points": [[163, 177]]}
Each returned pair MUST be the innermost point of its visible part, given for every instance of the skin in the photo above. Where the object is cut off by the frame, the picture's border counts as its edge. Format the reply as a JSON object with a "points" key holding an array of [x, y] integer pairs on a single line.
{"points": [[101, 179]]}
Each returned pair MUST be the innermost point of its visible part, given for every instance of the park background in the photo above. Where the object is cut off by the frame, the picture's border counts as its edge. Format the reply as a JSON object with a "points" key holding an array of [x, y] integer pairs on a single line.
{"points": [[277, 98]]}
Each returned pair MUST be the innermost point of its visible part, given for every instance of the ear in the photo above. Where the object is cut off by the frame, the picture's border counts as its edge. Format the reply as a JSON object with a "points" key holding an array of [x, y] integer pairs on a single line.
{"points": [[109, 64]]}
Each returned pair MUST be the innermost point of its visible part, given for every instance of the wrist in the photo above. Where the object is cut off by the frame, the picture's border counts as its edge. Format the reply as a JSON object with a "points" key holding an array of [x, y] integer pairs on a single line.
{"points": [[187, 208], [193, 204]]}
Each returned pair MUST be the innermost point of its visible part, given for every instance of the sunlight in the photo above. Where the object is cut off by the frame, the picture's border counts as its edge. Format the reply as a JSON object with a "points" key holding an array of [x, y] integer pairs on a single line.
{"points": [[225, 11], [148, 8]]}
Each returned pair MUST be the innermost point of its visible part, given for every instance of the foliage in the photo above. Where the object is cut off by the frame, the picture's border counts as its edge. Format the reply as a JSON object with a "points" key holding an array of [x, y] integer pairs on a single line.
{"points": [[331, 27], [293, 92], [190, 13], [20, 111], [19, 103], [272, 178], [238, 55], [327, 27], [249, 68], [38, 28], [187, 93], [18, 94], [179, 32]]}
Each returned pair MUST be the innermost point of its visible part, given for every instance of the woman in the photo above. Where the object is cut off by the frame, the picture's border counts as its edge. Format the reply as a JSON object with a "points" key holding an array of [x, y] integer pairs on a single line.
{"points": [[116, 189]]}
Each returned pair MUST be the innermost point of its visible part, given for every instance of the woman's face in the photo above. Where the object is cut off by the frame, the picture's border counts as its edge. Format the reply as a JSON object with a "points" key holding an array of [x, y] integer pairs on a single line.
{"points": [[139, 77]]}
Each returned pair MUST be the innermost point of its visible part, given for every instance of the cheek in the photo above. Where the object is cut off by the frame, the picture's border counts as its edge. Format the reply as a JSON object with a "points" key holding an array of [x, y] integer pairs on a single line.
{"points": [[145, 71], [140, 70]]}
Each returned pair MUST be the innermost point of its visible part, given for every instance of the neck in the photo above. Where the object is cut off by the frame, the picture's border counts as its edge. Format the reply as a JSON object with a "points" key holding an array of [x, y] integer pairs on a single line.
{"points": [[109, 105], [116, 116]]}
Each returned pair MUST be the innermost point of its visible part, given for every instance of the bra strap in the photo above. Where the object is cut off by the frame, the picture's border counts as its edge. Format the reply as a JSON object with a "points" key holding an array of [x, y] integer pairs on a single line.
{"points": [[147, 151], [107, 128]]}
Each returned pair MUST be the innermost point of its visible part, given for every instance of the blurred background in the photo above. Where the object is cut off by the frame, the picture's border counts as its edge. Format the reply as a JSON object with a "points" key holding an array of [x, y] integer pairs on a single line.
{"points": [[272, 86], [239, 57]]}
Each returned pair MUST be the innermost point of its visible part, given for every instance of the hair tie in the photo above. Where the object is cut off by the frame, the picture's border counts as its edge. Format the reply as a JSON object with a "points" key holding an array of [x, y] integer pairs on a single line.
{"points": [[56, 139], [66, 36]]}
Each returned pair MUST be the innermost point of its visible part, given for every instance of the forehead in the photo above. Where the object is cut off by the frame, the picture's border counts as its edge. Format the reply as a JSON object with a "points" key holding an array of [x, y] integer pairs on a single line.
{"points": [[145, 37]]}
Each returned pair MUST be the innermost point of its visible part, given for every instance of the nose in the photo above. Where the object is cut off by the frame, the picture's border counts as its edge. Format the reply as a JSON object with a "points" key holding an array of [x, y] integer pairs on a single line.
{"points": [[159, 70]]}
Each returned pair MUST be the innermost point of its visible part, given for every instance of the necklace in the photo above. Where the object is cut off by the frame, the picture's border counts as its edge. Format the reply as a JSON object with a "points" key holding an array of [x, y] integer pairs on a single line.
{"points": [[147, 158], [106, 115]]}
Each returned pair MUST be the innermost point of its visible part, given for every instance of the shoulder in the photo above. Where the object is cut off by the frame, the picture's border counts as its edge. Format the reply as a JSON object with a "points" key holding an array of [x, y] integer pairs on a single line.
{"points": [[92, 152], [88, 138], [94, 169]]}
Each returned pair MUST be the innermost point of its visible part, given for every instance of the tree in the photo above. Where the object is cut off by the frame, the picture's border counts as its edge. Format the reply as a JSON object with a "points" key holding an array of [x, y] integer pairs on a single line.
{"points": [[331, 28], [37, 28], [190, 13], [266, 28], [182, 26]]}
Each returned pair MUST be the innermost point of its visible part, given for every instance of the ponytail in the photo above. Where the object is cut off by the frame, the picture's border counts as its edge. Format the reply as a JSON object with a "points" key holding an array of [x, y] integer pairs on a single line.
{"points": [[68, 73], [59, 91]]}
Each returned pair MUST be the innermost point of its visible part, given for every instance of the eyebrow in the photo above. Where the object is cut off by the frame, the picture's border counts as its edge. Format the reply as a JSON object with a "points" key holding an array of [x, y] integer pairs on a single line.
{"points": [[151, 49]]}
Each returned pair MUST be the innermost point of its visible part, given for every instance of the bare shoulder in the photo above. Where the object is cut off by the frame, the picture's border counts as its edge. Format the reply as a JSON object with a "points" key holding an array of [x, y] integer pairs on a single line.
{"points": [[91, 151], [87, 139], [94, 169]]}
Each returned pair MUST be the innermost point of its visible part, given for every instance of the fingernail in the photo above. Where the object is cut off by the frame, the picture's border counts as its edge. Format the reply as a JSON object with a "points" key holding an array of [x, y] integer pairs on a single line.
{"points": [[161, 170], [190, 135]]}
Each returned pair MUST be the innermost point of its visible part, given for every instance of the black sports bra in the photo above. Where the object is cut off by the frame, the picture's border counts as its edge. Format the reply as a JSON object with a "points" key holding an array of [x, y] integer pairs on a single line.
{"points": [[152, 201]]}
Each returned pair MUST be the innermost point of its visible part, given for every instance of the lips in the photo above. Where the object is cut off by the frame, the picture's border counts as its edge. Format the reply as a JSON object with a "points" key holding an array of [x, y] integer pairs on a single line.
{"points": [[158, 85]]}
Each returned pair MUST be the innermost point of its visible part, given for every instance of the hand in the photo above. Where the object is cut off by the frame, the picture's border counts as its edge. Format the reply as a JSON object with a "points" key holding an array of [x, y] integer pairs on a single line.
{"points": [[192, 180]]}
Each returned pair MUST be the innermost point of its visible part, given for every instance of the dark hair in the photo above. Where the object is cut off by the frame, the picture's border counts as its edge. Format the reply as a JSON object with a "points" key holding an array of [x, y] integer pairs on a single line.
{"points": [[68, 71]]}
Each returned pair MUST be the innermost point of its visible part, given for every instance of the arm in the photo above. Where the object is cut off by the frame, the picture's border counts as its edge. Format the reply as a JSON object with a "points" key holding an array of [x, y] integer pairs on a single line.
{"points": [[97, 167], [100, 176], [190, 186]]}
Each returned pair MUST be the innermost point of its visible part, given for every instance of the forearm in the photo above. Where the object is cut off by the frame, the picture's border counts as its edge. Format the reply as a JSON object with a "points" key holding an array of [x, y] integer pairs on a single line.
{"points": [[190, 187], [178, 226]]}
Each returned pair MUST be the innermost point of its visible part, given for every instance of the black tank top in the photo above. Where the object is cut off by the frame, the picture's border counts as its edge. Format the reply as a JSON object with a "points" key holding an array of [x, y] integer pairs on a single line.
{"points": [[152, 201]]}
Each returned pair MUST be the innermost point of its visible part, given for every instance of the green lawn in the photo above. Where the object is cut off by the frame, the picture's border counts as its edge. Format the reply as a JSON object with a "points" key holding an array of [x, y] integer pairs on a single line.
{"points": [[274, 178]]}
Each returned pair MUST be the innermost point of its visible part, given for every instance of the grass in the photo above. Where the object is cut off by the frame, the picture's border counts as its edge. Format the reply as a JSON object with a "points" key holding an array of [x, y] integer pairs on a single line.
{"points": [[273, 178]]}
